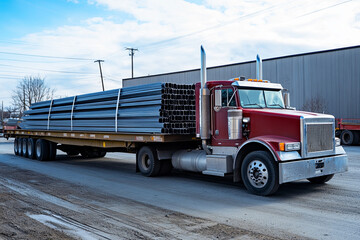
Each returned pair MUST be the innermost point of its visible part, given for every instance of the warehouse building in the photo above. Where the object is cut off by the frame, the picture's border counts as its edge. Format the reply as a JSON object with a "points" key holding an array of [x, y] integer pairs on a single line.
{"points": [[324, 81]]}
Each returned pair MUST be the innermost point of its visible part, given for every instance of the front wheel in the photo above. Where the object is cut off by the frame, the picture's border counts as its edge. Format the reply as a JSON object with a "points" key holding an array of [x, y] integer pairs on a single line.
{"points": [[321, 179], [259, 173], [148, 163]]}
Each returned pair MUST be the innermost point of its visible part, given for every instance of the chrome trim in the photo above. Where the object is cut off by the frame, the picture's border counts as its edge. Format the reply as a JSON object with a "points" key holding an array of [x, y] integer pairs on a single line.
{"points": [[248, 84], [326, 119], [288, 156], [234, 123], [303, 169]]}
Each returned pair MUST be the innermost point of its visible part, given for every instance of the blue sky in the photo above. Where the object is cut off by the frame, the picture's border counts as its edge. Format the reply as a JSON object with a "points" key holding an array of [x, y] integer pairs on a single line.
{"points": [[167, 33]]}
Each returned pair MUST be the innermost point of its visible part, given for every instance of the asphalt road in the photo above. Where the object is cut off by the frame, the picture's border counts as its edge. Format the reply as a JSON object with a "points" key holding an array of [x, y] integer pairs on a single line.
{"points": [[76, 197]]}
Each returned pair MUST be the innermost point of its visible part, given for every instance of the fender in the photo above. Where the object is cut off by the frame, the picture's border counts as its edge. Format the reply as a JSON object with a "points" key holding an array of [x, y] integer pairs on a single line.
{"points": [[267, 142]]}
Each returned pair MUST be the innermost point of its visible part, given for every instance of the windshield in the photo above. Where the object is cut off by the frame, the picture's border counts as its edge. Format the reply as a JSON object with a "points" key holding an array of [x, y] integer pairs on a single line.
{"points": [[260, 98]]}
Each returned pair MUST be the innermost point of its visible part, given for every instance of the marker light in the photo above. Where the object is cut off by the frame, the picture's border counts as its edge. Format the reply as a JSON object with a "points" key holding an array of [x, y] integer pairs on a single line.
{"points": [[287, 147]]}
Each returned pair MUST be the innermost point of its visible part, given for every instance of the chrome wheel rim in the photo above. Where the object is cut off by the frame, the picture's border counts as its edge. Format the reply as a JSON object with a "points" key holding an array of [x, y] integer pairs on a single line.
{"points": [[24, 147], [146, 162], [257, 174], [38, 150], [29, 148]]}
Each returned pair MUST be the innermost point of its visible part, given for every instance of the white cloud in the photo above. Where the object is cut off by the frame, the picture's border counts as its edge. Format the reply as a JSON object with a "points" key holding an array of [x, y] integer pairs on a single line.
{"points": [[231, 31]]}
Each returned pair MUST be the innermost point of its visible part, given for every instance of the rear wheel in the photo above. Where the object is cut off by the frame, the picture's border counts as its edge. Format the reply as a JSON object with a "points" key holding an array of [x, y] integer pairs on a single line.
{"points": [[31, 148], [24, 147], [16, 146], [321, 179], [42, 150], [52, 151], [347, 137], [259, 173], [148, 163]]}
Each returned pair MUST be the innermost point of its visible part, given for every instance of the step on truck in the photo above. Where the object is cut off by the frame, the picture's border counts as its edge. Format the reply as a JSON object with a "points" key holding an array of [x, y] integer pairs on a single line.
{"points": [[244, 128]]}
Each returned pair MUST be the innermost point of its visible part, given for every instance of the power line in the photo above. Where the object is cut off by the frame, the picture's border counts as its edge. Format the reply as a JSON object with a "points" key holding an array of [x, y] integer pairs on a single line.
{"points": [[318, 10], [47, 70], [44, 56]]}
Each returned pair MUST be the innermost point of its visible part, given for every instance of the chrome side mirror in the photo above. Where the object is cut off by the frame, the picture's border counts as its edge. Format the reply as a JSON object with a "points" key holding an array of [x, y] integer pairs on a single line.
{"points": [[286, 97]]}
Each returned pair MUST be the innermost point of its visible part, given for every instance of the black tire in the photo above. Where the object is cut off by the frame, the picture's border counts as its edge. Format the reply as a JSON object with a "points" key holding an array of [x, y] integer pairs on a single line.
{"points": [[148, 163], [356, 137], [20, 140], [24, 150], [31, 148], [321, 179], [52, 151], [16, 146], [347, 137], [165, 168], [42, 150], [259, 173]]}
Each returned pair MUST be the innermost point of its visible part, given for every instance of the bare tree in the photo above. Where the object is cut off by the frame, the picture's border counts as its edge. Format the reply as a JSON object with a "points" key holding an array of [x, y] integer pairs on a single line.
{"points": [[315, 104], [31, 90]]}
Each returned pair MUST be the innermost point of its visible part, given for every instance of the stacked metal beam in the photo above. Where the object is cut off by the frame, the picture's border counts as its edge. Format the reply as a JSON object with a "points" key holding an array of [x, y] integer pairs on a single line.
{"points": [[152, 108]]}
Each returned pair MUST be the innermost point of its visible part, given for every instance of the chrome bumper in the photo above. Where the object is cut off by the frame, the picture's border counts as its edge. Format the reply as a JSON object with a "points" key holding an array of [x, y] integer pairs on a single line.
{"points": [[302, 169]]}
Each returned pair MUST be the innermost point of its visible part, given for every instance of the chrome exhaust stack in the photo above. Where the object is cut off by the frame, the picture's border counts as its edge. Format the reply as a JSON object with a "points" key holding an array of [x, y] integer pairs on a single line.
{"points": [[259, 74], [204, 104]]}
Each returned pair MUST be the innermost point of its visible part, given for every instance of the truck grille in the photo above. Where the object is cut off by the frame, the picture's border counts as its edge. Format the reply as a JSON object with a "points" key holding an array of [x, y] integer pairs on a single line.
{"points": [[319, 137]]}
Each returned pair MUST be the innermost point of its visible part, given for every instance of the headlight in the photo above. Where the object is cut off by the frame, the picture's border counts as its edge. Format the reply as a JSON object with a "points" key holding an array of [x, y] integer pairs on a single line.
{"points": [[287, 147], [337, 142]]}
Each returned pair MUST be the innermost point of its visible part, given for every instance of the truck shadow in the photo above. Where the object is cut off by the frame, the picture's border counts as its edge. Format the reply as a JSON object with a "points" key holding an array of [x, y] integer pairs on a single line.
{"points": [[286, 191]]}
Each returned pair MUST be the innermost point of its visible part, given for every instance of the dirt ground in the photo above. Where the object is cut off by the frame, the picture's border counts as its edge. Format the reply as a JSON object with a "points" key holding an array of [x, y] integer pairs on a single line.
{"points": [[34, 206]]}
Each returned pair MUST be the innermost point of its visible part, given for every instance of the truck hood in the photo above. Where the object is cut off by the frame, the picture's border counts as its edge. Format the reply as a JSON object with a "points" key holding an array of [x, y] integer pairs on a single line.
{"points": [[288, 113], [278, 122]]}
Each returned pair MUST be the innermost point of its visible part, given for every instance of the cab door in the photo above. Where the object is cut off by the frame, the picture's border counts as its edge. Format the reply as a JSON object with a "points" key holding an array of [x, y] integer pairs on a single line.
{"points": [[220, 132]]}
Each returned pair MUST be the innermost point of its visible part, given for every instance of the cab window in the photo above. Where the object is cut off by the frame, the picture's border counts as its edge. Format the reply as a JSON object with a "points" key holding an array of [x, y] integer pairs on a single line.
{"points": [[227, 98]]}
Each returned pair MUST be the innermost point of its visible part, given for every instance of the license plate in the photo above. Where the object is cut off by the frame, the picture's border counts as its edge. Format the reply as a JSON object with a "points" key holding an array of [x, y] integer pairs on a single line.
{"points": [[319, 164]]}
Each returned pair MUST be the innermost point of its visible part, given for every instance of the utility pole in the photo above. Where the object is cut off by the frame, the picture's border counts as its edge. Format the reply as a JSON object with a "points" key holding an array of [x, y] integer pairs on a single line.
{"points": [[131, 54], [102, 80]]}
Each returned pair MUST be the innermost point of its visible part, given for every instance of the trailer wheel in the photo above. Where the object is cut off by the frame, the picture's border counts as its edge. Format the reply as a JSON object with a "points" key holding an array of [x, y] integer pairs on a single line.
{"points": [[24, 147], [321, 179], [347, 137], [42, 150], [52, 151], [148, 163], [356, 137], [31, 148], [259, 173], [16, 146]]}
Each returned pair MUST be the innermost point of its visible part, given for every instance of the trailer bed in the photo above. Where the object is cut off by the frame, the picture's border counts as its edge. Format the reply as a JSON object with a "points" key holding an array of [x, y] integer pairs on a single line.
{"points": [[99, 139]]}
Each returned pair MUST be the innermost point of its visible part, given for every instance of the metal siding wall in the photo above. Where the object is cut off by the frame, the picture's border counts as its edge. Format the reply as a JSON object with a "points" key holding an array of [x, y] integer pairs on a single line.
{"points": [[333, 76]]}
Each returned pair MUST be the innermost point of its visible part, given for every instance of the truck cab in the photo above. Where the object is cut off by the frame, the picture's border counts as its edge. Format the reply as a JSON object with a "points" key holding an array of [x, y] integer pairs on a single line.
{"points": [[269, 143]]}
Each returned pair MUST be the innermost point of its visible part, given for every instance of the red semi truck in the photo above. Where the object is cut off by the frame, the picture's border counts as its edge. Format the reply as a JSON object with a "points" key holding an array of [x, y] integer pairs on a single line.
{"points": [[244, 128]]}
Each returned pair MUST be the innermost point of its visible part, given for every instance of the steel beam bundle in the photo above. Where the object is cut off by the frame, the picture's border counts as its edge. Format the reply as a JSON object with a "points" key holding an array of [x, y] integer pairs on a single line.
{"points": [[152, 108]]}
